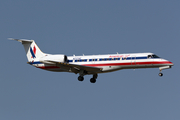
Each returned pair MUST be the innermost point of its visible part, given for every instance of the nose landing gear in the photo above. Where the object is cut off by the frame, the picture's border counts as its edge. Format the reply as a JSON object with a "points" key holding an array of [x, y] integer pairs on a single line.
{"points": [[162, 68], [160, 74]]}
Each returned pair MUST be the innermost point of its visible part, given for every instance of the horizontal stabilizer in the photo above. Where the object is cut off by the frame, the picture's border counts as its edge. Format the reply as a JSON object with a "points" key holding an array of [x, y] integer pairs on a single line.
{"points": [[21, 40]]}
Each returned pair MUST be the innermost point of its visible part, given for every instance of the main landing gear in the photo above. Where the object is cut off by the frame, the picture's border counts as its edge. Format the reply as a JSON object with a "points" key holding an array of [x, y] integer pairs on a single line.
{"points": [[92, 80], [80, 78]]}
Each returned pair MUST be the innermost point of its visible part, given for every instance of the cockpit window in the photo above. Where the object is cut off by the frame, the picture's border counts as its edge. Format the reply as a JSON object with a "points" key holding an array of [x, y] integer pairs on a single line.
{"points": [[149, 56], [155, 56]]}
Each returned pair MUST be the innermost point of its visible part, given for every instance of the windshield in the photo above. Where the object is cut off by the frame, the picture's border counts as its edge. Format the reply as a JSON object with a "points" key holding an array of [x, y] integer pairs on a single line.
{"points": [[153, 56]]}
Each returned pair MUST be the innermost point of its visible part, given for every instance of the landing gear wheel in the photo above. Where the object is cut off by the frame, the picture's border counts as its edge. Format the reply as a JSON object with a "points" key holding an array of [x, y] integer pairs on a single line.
{"points": [[92, 80], [160, 74], [80, 78]]}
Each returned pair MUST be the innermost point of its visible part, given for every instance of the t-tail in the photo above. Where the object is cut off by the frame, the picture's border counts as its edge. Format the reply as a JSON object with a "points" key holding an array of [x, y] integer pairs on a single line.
{"points": [[32, 50]]}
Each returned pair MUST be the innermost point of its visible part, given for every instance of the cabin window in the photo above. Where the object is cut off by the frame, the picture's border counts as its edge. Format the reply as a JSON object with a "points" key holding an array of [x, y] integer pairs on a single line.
{"points": [[70, 60], [128, 58], [133, 58]]}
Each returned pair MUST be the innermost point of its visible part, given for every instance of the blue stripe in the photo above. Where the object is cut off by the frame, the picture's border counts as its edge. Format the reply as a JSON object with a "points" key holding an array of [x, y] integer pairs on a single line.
{"points": [[100, 59], [70, 60], [32, 53], [141, 57], [36, 62], [107, 59]]}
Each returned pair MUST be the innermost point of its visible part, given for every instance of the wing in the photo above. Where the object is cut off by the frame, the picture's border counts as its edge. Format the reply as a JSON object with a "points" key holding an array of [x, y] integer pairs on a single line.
{"points": [[74, 68]]}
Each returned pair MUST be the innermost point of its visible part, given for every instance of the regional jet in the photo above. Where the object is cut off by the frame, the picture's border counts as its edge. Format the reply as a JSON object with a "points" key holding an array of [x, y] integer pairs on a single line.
{"points": [[91, 64]]}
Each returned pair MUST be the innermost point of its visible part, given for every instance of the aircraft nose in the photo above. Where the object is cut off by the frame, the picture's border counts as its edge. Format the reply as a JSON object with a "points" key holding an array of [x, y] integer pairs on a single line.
{"points": [[170, 63]]}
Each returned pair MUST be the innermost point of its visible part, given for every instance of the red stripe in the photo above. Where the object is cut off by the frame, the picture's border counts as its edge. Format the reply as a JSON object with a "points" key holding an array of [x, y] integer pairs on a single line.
{"points": [[113, 64], [137, 63]]}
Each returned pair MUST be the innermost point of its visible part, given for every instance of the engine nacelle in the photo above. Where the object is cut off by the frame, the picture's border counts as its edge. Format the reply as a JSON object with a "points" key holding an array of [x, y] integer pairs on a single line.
{"points": [[56, 58]]}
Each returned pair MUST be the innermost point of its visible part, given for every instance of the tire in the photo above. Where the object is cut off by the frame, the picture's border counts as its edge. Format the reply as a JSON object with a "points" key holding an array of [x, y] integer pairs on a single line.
{"points": [[92, 80], [160, 74], [80, 78]]}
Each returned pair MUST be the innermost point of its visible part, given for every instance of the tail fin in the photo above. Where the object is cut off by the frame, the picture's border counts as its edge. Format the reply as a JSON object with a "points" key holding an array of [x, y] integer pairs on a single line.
{"points": [[32, 50]]}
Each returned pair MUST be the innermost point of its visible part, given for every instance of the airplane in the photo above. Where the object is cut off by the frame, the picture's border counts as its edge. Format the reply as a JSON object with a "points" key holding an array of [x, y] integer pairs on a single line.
{"points": [[91, 64]]}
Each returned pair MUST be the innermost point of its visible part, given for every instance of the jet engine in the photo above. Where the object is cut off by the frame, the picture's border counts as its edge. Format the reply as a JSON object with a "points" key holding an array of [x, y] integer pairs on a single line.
{"points": [[55, 58]]}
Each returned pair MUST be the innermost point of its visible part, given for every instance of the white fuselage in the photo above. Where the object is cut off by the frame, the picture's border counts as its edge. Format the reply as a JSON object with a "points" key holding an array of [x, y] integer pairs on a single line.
{"points": [[91, 64], [111, 62]]}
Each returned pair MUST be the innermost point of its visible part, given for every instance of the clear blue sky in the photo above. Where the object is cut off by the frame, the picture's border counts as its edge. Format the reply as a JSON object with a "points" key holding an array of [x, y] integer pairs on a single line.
{"points": [[89, 27]]}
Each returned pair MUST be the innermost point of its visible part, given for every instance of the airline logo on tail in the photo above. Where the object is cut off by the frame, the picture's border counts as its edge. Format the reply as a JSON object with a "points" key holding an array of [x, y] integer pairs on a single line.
{"points": [[33, 52]]}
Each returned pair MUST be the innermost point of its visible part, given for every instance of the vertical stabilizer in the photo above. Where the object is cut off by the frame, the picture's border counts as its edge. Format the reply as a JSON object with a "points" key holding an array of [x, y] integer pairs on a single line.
{"points": [[32, 50]]}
